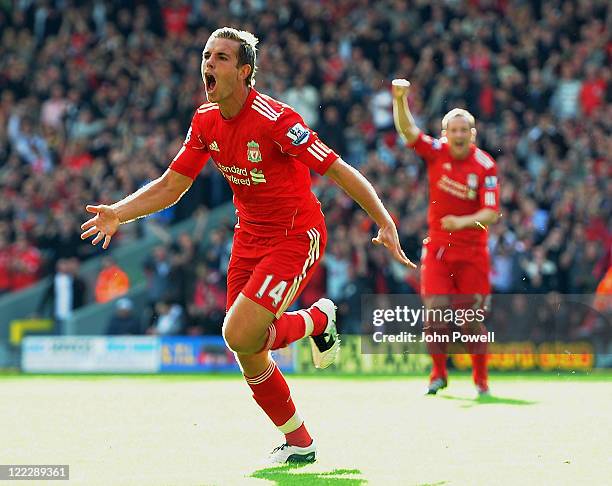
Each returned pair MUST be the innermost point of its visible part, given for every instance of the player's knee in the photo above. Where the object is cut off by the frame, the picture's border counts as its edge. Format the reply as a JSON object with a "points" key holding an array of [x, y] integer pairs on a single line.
{"points": [[237, 340], [232, 338]]}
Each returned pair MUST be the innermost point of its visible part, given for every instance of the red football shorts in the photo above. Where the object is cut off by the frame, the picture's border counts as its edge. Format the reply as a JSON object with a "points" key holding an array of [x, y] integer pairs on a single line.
{"points": [[447, 270], [273, 271]]}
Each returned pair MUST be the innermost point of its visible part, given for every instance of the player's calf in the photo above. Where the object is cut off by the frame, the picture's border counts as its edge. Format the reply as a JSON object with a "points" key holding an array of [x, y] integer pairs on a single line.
{"points": [[318, 322]]}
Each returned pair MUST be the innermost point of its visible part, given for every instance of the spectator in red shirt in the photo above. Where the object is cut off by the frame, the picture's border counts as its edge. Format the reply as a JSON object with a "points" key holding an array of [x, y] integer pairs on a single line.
{"points": [[593, 90], [208, 302], [112, 281], [175, 18], [5, 265], [76, 157], [480, 58], [25, 263], [315, 289]]}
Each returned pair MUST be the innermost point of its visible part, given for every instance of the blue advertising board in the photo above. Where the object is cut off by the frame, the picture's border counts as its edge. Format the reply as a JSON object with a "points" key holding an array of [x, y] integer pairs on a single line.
{"points": [[197, 354]]}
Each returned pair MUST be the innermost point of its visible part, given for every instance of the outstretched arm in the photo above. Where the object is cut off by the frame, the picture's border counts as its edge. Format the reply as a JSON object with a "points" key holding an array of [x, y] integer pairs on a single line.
{"points": [[155, 196], [403, 119], [480, 219], [360, 190]]}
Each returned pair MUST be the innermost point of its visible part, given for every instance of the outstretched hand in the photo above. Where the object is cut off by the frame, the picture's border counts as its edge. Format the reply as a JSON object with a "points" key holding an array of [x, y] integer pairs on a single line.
{"points": [[388, 237], [105, 223]]}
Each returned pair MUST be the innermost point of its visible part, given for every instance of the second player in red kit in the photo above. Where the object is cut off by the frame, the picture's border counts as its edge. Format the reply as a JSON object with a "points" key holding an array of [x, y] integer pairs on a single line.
{"points": [[265, 151], [463, 201], [458, 191]]}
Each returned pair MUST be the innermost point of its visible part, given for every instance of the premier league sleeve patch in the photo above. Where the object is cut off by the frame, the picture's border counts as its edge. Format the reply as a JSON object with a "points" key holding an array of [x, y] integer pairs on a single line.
{"points": [[298, 134], [490, 182], [433, 142]]}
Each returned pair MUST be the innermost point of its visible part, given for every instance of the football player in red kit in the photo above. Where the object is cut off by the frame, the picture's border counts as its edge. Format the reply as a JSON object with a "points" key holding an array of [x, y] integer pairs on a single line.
{"points": [[265, 151], [463, 201]]}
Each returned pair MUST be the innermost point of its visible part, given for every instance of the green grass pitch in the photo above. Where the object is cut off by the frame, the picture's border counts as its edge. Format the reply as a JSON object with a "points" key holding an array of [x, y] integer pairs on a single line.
{"points": [[202, 430]]}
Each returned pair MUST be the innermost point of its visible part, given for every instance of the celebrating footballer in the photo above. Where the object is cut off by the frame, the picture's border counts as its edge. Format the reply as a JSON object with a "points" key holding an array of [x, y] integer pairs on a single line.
{"points": [[265, 151], [463, 202]]}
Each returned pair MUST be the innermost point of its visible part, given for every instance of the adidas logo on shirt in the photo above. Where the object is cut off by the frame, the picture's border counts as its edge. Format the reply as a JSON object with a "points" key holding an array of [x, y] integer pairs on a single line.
{"points": [[214, 147]]}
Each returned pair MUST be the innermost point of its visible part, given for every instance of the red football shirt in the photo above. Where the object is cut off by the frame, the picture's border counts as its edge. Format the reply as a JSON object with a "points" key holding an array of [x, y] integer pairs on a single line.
{"points": [[265, 153], [27, 272], [5, 269], [457, 187]]}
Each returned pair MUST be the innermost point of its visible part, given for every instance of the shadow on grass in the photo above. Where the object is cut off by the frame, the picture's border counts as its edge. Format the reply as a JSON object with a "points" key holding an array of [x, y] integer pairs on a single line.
{"points": [[489, 400], [287, 475]]}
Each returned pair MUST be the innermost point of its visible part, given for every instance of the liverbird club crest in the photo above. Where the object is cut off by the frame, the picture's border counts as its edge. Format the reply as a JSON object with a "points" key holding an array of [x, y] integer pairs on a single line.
{"points": [[253, 153]]}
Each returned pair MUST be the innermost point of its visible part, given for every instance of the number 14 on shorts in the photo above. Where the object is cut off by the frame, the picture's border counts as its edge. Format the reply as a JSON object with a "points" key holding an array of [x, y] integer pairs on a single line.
{"points": [[276, 293]]}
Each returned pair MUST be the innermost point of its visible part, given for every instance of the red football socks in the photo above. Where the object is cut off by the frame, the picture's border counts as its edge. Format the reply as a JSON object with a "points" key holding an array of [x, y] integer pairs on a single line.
{"points": [[438, 369], [320, 320], [299, 437], [479, 370], [271, 392], [292, 326], [478, 352]]}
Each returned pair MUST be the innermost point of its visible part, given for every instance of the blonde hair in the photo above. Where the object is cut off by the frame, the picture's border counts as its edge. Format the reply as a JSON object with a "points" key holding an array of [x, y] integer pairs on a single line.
{"points": [[455, 112], [247, 51]]}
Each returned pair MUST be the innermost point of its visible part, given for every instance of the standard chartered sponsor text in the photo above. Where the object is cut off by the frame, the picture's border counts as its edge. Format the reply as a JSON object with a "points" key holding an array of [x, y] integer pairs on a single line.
{"points": [[241, 176]]}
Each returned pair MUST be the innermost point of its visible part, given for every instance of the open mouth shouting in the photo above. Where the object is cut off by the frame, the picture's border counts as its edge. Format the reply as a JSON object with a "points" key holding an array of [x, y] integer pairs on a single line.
{"points": [[460, 142], [210, 81]]}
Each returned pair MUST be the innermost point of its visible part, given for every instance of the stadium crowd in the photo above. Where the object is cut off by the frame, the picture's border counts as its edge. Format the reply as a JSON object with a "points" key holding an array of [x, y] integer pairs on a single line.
{"points": [[95, 100]]}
